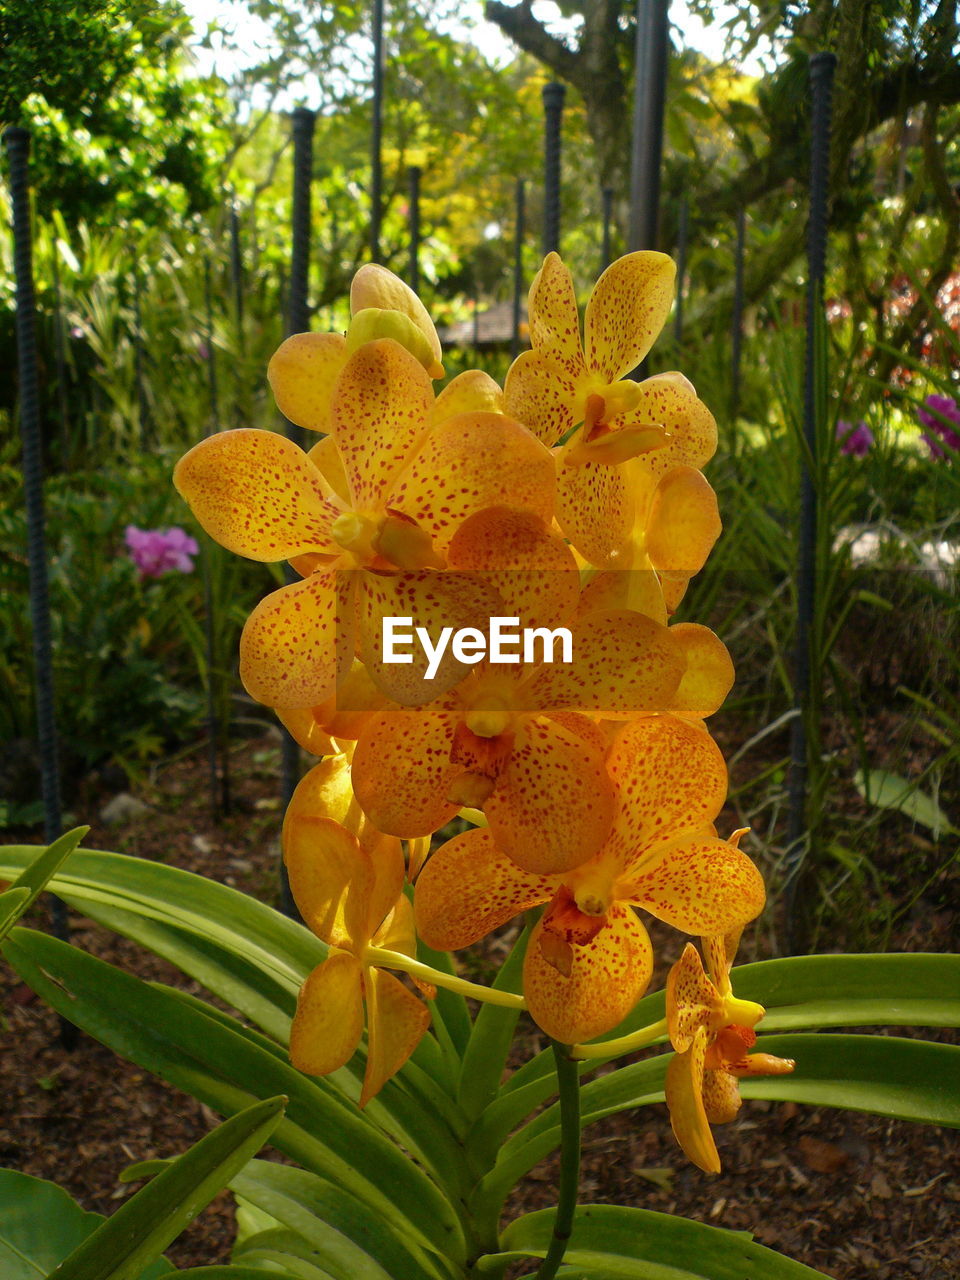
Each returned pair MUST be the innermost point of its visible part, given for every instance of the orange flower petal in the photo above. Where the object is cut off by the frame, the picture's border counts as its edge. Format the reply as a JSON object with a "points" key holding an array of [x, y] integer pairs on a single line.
{"points": [[328, 1023], [709, 674], [721, 1096], [469, 888], [396, 1022], [683, 522], [531, 569], [461, 468], [672, 779], [670, 400], [626, 311], [624, 664], [684, 1094], [257, 494], [402, 771], [637, 589], [331, 878], [595, 509], [471, 392], [375, 286], [700, 886], [608, 976], [325, 456], [553, 803], [379, 417], [346, 714], [303, 727], [691, 997], [297, 640], [302, 373], [554, 319], [542, 396]]}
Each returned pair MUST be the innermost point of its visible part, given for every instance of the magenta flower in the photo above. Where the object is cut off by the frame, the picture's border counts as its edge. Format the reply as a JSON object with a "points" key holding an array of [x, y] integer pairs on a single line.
{"points": [[949, 409], [854, 440], [159, 551]]}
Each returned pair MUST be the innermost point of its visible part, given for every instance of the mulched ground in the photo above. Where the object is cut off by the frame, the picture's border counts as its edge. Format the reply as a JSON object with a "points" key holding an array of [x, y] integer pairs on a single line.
{"points": [[852, 1195]]}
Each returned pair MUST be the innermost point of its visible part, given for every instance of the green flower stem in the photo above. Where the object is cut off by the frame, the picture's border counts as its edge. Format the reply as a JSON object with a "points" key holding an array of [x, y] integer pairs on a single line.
{"points": [[568, 1082], [623, 1044], [385, 959]]}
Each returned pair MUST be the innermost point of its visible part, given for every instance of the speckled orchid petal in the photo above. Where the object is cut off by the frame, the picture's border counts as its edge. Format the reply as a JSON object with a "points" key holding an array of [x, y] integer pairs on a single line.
{"points": [[553, 803], [345, 715], [433, 601], [470, 392], [469, 888], [684, 1094], [708, 676], [331, 878], [375, 286], [258, 495], [636, 588], [672, 779], [721, 1096], [402, 771], [325, 456], [306, 731], [699, 885], [624, 664], [626, 311], [463, 467], [396, 1022], [531, 569], [608, 975], [379, 417], [554, 319], [595, 509], [720, 950], [542, 396], [298, 641], [683, 522], [302, 373], [670, 400], [691, 998], [328, 1023]]}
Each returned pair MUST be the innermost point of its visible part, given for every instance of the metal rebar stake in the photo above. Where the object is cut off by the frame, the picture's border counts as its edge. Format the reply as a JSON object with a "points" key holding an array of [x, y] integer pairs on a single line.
{"points": [[553, 95], [607, 195], [376, 134], [683, 231]]}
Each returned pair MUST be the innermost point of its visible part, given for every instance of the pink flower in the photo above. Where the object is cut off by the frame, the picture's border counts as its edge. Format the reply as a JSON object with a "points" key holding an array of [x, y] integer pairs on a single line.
{"points": [[948, 409], [159, 551], [854, 440]]}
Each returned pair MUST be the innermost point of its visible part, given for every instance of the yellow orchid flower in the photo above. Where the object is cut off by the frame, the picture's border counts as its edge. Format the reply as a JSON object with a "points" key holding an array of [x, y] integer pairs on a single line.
{"points": [[589, 958], [711, 1031], [387, 495]]}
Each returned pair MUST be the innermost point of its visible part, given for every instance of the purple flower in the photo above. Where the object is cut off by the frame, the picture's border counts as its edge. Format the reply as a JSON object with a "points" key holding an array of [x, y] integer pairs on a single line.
{"points": [[949, 409], [854, 440], [159, 551]]}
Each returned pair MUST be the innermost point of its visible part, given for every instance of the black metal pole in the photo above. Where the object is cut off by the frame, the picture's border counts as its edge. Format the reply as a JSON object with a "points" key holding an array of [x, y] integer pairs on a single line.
{"points": [[376, 134], [736, 331], [18, 149], [518, 234], [796, 899], [553, 95], [650, 81], [683, 231], [607, 220], [414, 174]]}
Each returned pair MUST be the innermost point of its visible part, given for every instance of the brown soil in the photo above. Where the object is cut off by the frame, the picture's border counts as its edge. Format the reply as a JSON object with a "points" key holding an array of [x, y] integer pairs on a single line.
{"points": [[852, 1195]]}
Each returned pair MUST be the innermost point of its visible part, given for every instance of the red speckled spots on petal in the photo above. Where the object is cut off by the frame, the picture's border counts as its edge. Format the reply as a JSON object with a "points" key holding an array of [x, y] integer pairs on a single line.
{"points": [[302, 373], [691, 998], [469, 888], [626, 311], [700, 886], [543, 396], [684, 1094], [608, 976], [402, 771], [554, 319], [595, 509], [669, 400]]}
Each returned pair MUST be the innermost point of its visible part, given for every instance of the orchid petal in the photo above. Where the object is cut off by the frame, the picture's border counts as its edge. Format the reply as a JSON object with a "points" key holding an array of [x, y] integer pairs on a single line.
{"points": [[402, 771], [331, 878], [461, 467], [684, 1094], [626, 311], [670, 400], [375, 286], [709, 674], [307, 732], [691, 998], [721, 1096], [328, 1023], [379, 417], [595, 509], [258, 495], [552, 805], [683, 522], [608, 976], [298, 640], [396, 1023], [699, 885], [469, 888], [325, 456], [302, 373], [554, 319], [542, 396], [471, 392]]}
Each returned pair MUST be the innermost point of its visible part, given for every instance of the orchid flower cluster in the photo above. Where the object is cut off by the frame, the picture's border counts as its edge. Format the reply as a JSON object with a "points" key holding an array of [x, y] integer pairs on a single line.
{"points": [[570, 500]]}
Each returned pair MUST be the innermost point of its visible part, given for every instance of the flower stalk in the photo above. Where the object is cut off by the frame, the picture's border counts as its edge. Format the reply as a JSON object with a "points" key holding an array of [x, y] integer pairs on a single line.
{"points": [[568, 1082], [387, 959]]}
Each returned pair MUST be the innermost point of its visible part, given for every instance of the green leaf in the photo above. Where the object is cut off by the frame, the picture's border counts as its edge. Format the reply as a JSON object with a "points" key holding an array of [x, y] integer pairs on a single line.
{"points": [[285, 1250], [486, 1051], [227, 1067], [635, 1244], [227, 1272], [45, 864], [889, 791], [40, 1225], [142, 1227], [13, 903]]}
